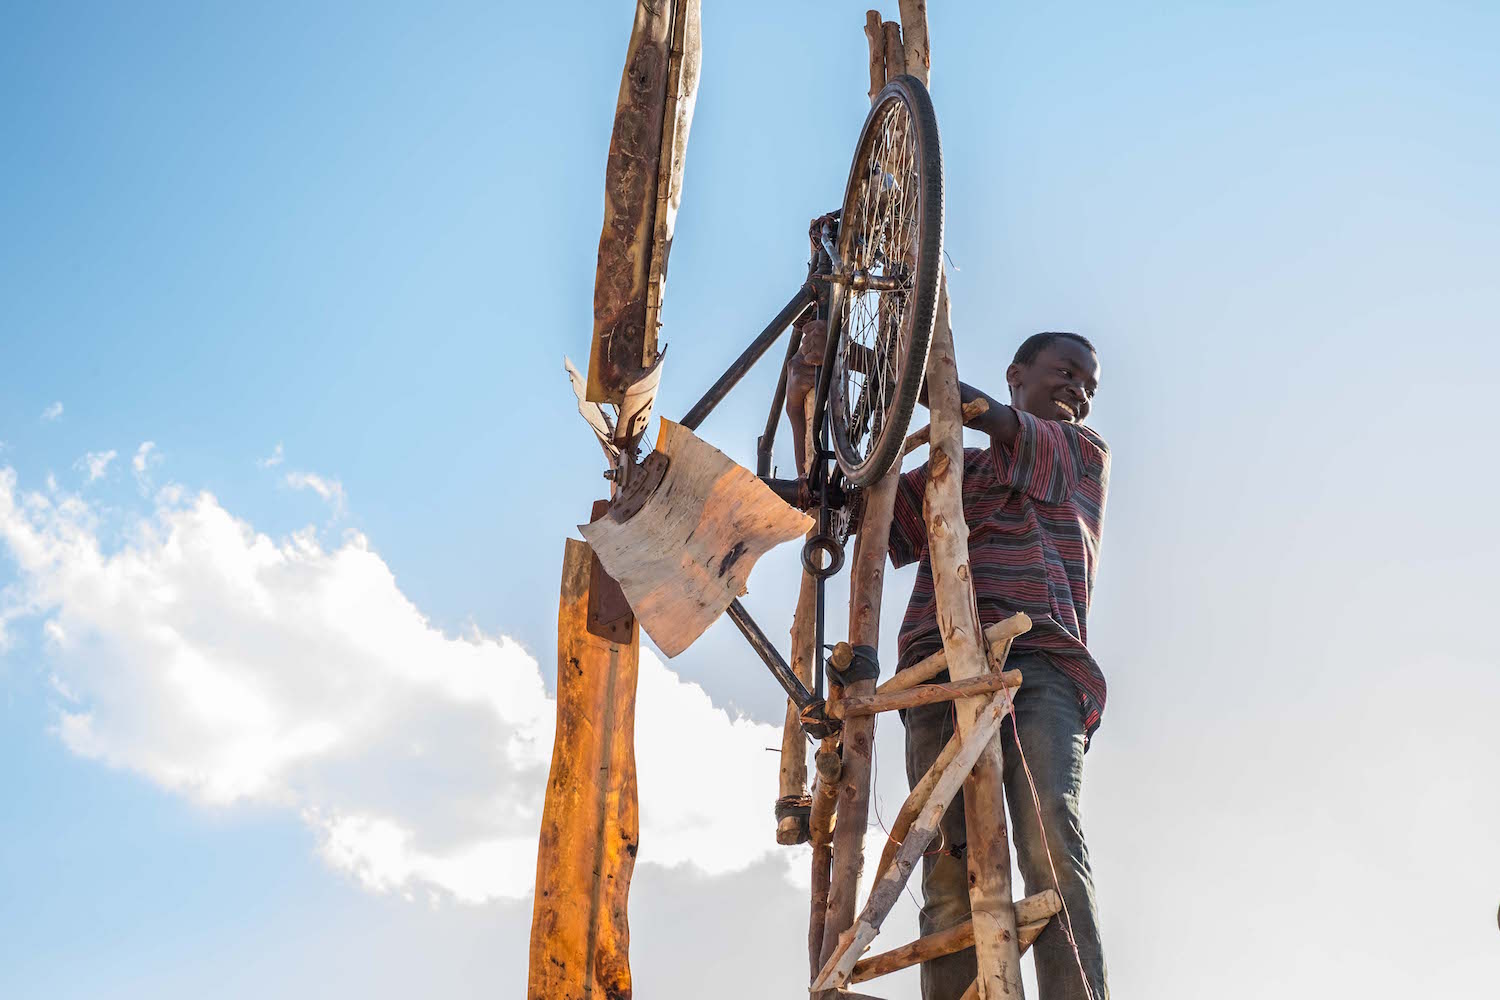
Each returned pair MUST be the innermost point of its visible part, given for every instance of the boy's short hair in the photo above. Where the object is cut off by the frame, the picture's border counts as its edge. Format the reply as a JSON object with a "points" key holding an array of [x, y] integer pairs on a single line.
{"points": [[1032, 345]]}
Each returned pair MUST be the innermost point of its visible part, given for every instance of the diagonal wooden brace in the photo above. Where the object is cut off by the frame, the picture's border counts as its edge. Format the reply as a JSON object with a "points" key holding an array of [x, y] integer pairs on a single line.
{"points": [[885, 892]]}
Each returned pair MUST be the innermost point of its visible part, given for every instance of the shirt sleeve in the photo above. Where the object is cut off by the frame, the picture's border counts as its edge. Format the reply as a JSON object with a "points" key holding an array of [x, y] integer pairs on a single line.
{"points": [[908, 529], [1050, 458]]}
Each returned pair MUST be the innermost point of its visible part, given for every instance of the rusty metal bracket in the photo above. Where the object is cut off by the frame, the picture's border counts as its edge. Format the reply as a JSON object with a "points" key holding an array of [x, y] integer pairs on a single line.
{"points": [[609, 614], [643, 481]]}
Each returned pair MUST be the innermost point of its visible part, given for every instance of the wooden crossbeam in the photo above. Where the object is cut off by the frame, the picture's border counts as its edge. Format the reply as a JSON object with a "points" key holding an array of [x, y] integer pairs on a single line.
{"points": [[917, 438], [999, 636], [1031, 912], [925, 694]]}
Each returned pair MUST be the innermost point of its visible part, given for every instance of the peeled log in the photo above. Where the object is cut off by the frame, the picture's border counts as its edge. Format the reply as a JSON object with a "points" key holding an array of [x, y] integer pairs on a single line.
{"points": [[580, 934]]}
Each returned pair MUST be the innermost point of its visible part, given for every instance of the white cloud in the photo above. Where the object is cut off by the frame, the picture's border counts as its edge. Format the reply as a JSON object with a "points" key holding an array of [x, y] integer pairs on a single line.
{"points": [[96, 463], [231, 667], [53, 412], [330, 490], [143, 456], [146, 457], [272, 460]]}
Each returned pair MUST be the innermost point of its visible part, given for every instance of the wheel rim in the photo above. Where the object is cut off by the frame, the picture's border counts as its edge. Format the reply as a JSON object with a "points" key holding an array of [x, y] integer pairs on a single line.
{"points": [[879, 234]]}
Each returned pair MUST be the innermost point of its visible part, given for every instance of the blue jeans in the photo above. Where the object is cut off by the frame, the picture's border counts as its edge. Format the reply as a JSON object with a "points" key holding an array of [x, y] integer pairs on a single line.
{"points": [[1052, 734]]}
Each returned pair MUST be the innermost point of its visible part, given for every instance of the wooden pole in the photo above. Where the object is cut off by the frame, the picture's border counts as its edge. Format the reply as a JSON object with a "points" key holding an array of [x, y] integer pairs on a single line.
{"points": [[914, 36], [837, 863], [580, 934], [866, 585], [876, 38], [790, 830], [995, 943], [820, 831], [895, 56]]}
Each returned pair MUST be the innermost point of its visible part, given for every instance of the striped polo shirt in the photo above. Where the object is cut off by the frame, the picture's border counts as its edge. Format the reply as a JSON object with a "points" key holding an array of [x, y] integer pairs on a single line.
{"points": [[1035, 511]]}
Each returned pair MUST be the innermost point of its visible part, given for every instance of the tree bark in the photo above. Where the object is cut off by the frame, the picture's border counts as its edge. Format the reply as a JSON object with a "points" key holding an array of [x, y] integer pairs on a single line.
{"points": [[793, 739], [884, 893], [927, 694], [866, 584], [876, 37], [988, 851], [580, 934], [999, 636], [895, 56]]}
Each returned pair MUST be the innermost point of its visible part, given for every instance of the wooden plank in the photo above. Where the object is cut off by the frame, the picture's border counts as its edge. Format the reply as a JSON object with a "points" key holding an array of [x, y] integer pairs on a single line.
{"points": [[580, 934], [927, 694], [646, 146], [688, 552]]}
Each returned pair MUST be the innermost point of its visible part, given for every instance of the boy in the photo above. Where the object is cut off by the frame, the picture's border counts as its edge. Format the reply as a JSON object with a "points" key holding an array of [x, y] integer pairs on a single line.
{"points": [[1034, 502]]}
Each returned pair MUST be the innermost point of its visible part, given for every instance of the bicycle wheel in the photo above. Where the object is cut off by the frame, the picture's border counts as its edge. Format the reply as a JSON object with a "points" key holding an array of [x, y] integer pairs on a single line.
{"points": [[884, 300]]}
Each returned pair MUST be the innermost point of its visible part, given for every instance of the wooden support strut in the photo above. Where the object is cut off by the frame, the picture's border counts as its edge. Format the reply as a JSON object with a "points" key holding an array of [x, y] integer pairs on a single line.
{"points": [[791, 829], [999, 636], [836, 866], [925, 694], [866, 584], [1033, 911], [884, 893], [996, 947]]}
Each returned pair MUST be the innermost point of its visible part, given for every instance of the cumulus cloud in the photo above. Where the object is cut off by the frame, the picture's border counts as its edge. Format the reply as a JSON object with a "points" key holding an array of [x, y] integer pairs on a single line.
{"points": [[146, 457], [231, 667], [54, 411], [330, 490], [96, 463]]}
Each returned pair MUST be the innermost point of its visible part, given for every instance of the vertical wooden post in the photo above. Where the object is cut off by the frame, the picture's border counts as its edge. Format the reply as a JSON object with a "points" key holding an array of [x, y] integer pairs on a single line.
{"points": [[875, 36], [580, 935], [793, 739], [995, 941], [866, 585]]}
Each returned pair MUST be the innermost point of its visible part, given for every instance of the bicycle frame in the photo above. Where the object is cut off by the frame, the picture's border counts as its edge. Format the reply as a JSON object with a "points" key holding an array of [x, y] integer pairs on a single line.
{"points": [[817, 488]]}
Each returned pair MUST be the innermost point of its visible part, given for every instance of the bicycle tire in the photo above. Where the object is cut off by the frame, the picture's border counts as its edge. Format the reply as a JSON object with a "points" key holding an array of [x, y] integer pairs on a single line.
{"points": [[864, 462]]}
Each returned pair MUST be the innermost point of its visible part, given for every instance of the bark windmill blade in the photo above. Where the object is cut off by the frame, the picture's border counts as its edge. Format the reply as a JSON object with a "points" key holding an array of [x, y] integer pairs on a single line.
{"points": [[642, 190], [580, 935]]}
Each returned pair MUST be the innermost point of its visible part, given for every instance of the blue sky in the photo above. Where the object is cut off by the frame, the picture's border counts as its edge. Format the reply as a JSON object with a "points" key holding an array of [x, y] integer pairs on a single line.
{"points": [[365, 235]]}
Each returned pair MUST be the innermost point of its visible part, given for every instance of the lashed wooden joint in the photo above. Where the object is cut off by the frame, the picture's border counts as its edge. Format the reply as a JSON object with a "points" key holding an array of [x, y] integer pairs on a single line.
{"points": [[999, 637], [925, 694]]}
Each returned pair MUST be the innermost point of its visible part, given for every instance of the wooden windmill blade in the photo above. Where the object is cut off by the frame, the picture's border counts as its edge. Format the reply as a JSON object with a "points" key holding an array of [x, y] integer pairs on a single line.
{"points": [[642, 189], [580, 933]]}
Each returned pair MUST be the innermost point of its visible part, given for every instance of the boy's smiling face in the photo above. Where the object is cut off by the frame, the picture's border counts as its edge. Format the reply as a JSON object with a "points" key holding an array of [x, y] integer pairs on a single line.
{"points": [[1058, 384]]}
